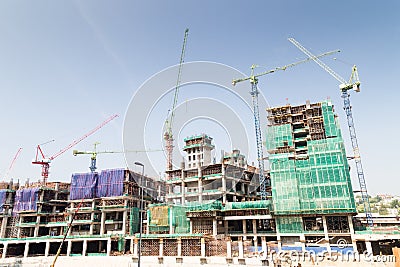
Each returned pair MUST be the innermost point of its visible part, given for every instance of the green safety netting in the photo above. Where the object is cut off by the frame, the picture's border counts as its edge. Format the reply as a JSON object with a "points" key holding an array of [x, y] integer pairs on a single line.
{"points": [[196, 206], [261, 204], [329, 120], [279, 136], [162, 217], [133, 220], [318, 182], [289, 224]]}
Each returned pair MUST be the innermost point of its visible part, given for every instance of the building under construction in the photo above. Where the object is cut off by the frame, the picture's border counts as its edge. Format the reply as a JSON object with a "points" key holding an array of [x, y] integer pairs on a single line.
{"points": [[207, 207]]}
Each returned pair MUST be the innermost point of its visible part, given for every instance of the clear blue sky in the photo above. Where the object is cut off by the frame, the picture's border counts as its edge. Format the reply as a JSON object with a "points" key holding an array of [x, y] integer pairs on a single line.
{"points": [[67, 65]]}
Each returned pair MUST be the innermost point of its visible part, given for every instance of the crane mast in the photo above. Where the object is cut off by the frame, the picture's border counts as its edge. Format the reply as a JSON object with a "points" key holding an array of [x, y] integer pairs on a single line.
{"points": [[253, 78], [345, 86], [168, 135]]}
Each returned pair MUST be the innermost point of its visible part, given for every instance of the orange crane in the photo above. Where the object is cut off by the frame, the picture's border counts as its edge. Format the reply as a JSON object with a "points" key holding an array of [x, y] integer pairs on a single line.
{"points": [[41, 159]]}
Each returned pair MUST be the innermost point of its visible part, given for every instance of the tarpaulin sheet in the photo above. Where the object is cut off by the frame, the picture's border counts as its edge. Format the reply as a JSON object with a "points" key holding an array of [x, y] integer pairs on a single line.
{"points": [[3, 194], [83, 186], [111, 183], [25, 199]]}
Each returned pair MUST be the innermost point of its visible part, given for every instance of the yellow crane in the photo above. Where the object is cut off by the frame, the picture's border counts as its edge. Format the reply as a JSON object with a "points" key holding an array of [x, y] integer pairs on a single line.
{"points": [[94, 153]]}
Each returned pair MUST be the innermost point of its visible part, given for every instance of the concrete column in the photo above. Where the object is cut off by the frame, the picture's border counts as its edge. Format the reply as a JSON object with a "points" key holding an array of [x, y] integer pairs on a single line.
{"points": [[124, 217], [223, 184], [183, 192], [84, 248], [215, 227], [131, 246], [203, 248], [161, 247], [5, 246], [351, 226], [3, 227], [26, 251], [36, 232], [135, 247], [200, 175], [179, 247], [254, 221], [255, 241], [325, 228], [368, 246], [303, 242], [278, 239], [200, 190], [324, 223], [19, 228], [229, 249], [244, 229], [191, 227], [109, 247], [91, 228], [264, 244], [170, 214], [70, 222], [240, 245], [226, 225], [69, 247], [46, 250], [102, 223]]}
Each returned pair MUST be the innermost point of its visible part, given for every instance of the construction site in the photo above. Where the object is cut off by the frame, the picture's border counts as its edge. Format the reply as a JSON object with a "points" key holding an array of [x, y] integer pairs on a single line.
{"points": [[204, 209], [302, 201]]}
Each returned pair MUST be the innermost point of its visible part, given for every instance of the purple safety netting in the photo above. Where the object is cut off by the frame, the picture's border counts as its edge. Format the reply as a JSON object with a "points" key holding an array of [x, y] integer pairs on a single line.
{"points": [[83, 185], [111, 183], [25, 199], [3, 194]]}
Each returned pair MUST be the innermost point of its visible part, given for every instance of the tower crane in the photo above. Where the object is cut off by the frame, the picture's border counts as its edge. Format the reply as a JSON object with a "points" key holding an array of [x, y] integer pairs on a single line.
{"points": [[94, 153], [12, 163], [168, 135], [345, 86], [41, 159], [253, 78]]}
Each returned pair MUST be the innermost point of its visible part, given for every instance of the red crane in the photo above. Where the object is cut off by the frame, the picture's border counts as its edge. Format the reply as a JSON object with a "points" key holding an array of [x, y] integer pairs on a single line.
{"points": [[12, 163], [45, 162]]}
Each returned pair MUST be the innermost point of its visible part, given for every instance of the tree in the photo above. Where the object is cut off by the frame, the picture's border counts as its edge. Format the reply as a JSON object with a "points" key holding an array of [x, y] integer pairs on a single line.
{"points": [[383, 211], [395, 204]]}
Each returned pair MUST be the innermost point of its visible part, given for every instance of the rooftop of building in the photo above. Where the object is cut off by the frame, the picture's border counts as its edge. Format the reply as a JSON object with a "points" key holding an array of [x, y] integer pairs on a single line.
{"points": [[197, 136]]}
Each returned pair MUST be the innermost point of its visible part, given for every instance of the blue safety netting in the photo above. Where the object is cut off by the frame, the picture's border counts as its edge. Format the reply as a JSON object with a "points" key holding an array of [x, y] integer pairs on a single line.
{"points": [[3, 194], [111, 183], [83, 185], [26, 199]]}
